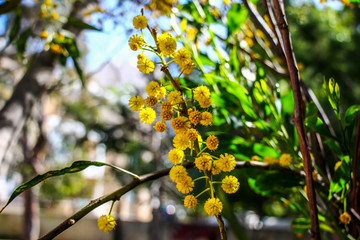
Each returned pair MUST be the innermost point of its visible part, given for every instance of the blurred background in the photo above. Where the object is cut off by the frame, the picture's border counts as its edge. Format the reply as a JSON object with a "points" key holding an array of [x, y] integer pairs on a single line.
{"points": [[79, 111]]}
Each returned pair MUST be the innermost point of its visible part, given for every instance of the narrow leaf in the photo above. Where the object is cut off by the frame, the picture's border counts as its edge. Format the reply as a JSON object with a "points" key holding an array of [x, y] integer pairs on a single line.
{"points": [[77, 23], [75, 167]]}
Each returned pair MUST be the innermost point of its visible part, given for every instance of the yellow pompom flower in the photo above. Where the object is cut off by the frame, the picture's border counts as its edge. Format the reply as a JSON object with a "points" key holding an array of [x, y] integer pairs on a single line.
{"points": [[174, 97], [203, 163], [227, 162], [167, 44], [187, 67], [206, 118], [47, 3], [54, 15], [216, 167], [345, 218], [106, 223], [163, 36], [195, 117], [180, 124], [230, 184], [182, 55], [141, 57], [166, 106], [43, 34], [314, 176], [56, 48], [255, 158], [285, 160], [176, 156], [161, 93], [147, 115], [190, 201], [201, 93], [205, 103], [153, 88], [160, 127], [185, 185], [166, 115], [177, 173], [181, 142], [140, 22], [212, 142], [145, 66], [151, 101], [213, 206], [192, 134], [135, 43], [269, 160], [136, 103]]}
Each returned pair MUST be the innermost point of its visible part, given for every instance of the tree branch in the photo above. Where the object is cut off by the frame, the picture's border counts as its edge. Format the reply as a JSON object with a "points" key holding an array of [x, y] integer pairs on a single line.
{"points": [[261, 24], [354, 202], [298, 115], [115, 196]]}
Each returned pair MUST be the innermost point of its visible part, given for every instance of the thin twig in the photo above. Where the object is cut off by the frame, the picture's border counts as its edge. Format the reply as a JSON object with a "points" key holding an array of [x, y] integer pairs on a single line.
{"points": [[354, 202], [298, 116], [270, 13], [261, 24], [266, 63]]}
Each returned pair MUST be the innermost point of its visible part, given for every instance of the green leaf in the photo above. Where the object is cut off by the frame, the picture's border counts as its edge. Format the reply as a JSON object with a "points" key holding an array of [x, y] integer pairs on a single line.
{"points": [[275, 183], [79, 70], [313, 122], [287, 103], [75, 167], [334, 146], [205, 60], [351, 114], [333, 93], [265, 151], [21, 42], [77, 23], [317, 125], [236, 16], [74, 53], [15, 27], [242, 94], [7, 6], [300, 225]]}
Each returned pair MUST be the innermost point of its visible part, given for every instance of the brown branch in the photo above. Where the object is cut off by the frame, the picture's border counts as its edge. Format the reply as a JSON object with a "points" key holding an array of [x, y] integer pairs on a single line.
{"points": [[261, 24], [298, 116], [270, 13], [266, 63], [354, 202], [115, 196]]}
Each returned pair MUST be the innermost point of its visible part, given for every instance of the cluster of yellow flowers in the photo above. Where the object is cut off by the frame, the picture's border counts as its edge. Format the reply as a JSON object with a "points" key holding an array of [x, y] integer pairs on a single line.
{"points": [[48, 10], [285, 160], [186, 114], [53, 39]]}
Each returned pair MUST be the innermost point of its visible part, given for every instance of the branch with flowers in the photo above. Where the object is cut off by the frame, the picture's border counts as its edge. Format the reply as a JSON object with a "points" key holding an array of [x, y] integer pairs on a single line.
{"points": [[187, 110]]}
